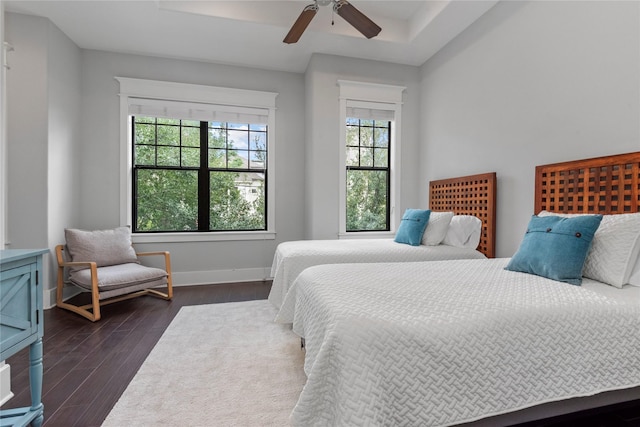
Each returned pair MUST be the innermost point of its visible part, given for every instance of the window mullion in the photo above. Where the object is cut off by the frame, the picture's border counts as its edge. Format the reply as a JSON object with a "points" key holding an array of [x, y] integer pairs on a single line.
{"points": [[204, 190], [134, 205], [373, 143], [388, 167], [134, 183], [359, 142]]}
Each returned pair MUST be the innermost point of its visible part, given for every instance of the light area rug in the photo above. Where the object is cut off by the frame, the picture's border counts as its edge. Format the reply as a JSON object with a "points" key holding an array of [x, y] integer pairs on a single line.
{"points": [[216, 365]]}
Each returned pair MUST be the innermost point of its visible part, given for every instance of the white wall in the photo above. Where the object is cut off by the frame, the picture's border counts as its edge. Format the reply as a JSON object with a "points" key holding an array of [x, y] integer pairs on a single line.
{"points": [[63, 144], [5, 376], [3, 129], [43, 98], [531, 83], [323, 138], [27, 132], [63, 141], [193, 262]]}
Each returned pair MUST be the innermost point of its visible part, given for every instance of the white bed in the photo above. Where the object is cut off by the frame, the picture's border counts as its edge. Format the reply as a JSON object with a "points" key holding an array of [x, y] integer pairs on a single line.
{"points": [[463, 341], [291, 258], [446, 342], [469, 197]]}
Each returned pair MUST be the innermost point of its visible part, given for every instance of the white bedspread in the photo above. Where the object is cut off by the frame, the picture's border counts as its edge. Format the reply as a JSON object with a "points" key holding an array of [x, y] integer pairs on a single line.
{"points": [[445, 342], [291, 258]]}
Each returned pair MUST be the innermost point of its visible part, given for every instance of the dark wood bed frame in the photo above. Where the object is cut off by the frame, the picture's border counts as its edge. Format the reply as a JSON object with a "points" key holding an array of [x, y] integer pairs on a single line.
{"points": [[604, 185], [469, 195]]}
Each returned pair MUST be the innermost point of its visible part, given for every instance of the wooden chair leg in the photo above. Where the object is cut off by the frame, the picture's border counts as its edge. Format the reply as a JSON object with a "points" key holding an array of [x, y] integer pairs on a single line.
{"points": [[167, 264], [95, 293]]}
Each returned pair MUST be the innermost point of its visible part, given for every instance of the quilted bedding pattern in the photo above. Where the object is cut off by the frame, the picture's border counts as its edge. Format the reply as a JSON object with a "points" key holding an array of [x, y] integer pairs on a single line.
{"points": [[291, 258], [446, 342]]}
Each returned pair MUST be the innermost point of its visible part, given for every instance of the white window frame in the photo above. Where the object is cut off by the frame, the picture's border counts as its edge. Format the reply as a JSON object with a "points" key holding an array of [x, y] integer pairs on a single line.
{"points": [[130, 89], [370, 96]]}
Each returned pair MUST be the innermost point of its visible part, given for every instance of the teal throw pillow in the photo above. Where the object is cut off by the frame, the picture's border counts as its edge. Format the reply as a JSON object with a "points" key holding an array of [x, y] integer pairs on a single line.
{"points": [[412, 226], [555, 247]]}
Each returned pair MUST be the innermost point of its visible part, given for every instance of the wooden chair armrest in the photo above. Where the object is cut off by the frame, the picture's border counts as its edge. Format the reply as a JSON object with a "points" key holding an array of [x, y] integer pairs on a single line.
{"points": [[167, 259], [152, 253], [79, 263], [63, 263]]}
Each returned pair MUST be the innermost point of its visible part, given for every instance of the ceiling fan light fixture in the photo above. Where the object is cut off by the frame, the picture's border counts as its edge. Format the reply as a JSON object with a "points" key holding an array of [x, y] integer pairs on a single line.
{"points": [[301, 23], [357, 19]]}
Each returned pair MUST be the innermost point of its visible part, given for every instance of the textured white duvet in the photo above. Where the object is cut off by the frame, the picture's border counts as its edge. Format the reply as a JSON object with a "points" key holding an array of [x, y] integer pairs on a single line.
{"points": [[291, 258], [444, 342]]}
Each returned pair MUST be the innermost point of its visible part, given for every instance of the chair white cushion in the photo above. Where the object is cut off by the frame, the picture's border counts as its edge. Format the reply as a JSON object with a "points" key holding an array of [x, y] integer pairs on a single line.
{"points": [[119, 276]]}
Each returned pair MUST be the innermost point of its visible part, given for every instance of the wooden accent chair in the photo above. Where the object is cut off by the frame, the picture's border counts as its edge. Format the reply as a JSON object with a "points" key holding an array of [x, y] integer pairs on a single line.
{"points": [[104, 263]]}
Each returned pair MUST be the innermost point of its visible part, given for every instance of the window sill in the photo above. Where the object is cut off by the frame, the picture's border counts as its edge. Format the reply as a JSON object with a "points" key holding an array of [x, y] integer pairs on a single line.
{"points": [[201, 237]]}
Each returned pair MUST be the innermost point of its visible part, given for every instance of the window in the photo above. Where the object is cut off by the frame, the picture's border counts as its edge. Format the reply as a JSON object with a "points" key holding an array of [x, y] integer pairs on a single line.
{"points": [[196, 161], [198, 176], [370, 140], [368, 174]]}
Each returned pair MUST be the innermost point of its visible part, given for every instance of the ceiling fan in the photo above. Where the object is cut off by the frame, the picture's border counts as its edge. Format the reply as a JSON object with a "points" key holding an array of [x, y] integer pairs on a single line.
{"points": [[343, 8]]}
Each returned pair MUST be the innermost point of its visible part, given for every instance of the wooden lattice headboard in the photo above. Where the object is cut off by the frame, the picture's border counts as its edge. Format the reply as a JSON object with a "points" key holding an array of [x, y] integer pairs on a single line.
{"points": [[469, 195], [605, 185]]}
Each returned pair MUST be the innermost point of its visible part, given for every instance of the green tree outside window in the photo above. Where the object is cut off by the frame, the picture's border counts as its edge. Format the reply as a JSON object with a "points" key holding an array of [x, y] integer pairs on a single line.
{"points": [[198, 176], [368, 174]]}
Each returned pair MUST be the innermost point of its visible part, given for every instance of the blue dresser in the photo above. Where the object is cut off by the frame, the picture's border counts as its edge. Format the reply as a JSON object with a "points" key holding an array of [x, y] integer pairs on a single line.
{"points": [[21, 325]]}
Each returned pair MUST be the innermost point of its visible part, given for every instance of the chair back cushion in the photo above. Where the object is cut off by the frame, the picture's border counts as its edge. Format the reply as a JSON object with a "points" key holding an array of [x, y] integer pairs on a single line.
{"points": [[104, 247]]}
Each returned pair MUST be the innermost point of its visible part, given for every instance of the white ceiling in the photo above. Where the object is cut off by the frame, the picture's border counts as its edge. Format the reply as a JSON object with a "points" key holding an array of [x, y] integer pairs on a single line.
{"points": [[250, 33]]}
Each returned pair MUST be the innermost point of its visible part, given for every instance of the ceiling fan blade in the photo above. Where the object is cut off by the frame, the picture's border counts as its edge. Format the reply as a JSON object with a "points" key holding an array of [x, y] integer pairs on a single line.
{"points": [[301, 23], [356, 18]]}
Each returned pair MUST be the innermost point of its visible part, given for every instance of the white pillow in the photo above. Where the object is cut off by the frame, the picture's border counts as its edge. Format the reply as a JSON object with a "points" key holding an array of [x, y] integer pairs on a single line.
{"points": [[614, 248], [464, 232], [436, 228]]}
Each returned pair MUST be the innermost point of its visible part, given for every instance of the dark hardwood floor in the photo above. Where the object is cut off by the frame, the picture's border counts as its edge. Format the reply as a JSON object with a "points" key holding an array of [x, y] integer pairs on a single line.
{"points": [[88, 365]]}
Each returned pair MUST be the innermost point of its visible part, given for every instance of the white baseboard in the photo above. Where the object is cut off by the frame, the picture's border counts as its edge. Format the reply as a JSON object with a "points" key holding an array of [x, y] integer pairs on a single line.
{"points": [[185, 278], [49, 297], [5, 383]]}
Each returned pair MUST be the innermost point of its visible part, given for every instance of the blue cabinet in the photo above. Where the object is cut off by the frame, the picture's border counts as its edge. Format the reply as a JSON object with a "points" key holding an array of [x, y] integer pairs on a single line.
{"points": [[21, 325]]}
